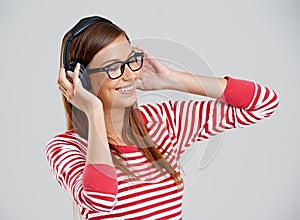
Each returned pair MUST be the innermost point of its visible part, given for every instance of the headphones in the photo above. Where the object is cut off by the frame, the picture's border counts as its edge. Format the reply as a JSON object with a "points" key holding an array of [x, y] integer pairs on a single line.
{"points": [[81, 26]]}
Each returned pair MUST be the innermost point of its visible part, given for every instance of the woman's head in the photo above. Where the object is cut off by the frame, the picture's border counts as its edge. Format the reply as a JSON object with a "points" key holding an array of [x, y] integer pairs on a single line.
{"points": [[98, 44]]}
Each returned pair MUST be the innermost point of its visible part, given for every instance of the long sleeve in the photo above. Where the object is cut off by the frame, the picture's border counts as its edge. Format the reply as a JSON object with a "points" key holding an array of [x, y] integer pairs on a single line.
{"points": [[183, 122], [92, 186]]}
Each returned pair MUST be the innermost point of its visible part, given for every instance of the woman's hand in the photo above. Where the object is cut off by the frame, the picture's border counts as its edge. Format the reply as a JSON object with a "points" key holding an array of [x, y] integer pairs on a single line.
{"points": [[154, 74], [75, 93]]}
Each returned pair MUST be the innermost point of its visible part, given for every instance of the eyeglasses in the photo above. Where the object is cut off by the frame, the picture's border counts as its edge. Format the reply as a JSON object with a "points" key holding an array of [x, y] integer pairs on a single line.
{"points": [[116, 70]]}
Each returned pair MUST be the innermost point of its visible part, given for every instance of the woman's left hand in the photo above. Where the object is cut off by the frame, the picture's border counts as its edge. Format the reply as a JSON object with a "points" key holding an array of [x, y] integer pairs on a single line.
{"points": [[154, 75]]}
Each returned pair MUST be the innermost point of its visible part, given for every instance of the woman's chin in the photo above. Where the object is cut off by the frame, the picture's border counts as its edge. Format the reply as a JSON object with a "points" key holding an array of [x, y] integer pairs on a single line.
{"points": [[124, 100]]}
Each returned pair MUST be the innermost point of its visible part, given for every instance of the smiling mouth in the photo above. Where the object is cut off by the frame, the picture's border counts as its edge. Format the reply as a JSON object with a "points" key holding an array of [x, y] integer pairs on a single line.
{"points": [[126, 90]]}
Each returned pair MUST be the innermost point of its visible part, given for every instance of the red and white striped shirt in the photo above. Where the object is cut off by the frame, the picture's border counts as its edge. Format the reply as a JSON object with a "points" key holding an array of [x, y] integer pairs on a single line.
{"points": [[104, 192]]}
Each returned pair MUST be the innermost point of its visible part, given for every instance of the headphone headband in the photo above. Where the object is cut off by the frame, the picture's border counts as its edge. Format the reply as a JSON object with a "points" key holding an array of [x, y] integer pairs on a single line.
{"points": [[82, 25]]}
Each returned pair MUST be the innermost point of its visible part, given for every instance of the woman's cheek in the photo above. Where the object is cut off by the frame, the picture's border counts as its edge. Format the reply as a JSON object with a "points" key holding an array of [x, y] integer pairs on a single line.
{"points": [[97, 83]]}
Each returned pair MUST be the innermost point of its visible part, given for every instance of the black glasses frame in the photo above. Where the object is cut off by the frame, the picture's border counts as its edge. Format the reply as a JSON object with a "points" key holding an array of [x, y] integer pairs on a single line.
{"points": [[122, 66]]}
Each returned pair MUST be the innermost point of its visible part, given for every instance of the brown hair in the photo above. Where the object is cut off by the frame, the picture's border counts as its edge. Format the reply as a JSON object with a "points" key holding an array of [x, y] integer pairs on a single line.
{"points": [[82, 49]]}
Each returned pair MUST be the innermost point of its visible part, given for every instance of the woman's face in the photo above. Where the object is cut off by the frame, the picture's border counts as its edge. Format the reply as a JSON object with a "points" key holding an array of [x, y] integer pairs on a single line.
{"points": [[120, 92]]}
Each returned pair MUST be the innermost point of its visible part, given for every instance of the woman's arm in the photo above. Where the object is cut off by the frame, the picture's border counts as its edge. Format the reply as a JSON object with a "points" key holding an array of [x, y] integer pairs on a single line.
{"points": [[192, 83], [155, 75], [90, 177], [237, 103], [242, 103], [98, 148], [91, 186]]}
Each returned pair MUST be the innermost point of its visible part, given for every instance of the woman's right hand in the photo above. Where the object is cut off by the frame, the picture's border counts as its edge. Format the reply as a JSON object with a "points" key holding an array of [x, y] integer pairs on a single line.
{"points": [[75, 93]]}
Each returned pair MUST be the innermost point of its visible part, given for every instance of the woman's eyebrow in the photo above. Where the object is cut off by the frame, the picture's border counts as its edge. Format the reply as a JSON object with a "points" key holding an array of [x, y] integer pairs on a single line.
{"points": [[115, 60]]}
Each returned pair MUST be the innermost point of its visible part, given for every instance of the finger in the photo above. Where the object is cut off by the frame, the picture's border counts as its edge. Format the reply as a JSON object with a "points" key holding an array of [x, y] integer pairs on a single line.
{"points": [[143, 49], [76, 74], [139, 84], [138, 47], [62, 79], [148, 57], [64, 92]]}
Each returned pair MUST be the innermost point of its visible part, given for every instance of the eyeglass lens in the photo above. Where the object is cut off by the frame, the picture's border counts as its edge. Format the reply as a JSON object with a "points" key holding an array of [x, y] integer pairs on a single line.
{"points": [[135, 62]]}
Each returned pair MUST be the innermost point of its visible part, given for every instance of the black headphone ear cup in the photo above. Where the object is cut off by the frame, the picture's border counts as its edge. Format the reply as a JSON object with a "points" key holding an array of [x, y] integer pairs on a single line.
{"points": [[81, 26], [83, 76]]}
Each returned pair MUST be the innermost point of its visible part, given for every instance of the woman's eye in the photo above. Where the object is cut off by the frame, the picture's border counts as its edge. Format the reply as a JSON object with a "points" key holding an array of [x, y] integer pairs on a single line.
{"points": [[133, 59], [113, 68]]}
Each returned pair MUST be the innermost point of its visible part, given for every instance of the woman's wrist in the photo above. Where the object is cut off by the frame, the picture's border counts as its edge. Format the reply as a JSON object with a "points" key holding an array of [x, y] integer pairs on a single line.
{"points": [[169, 80], [95, 108], [177, 80], [196, 84]]}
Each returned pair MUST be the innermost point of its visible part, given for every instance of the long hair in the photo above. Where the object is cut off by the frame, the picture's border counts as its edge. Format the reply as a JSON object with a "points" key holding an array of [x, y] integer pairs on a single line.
{"points": [[82, 49]]}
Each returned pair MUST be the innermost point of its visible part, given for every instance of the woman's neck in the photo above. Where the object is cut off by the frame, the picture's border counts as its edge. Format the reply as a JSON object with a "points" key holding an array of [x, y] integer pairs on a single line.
{"points": [[114, 120]]}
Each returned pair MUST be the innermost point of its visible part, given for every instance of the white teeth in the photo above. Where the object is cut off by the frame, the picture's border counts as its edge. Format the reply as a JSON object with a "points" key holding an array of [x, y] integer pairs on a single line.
{"points": [[126, 89]]}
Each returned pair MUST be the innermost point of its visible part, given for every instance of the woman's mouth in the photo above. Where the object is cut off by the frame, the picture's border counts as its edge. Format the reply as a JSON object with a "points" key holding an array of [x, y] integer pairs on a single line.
{"points": [[126, 90]]}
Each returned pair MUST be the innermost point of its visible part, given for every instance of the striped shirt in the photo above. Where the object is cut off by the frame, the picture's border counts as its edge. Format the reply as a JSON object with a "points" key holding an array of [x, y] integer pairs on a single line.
{"points": [[104, 192]]}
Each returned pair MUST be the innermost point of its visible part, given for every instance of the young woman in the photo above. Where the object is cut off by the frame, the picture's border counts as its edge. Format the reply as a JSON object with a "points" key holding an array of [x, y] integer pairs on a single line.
{"points": [[119, 160]]}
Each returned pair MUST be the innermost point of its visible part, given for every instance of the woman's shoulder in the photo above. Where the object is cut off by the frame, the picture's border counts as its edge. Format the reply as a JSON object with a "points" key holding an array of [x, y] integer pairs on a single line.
{"points": [[67, 139], [68, 135]]}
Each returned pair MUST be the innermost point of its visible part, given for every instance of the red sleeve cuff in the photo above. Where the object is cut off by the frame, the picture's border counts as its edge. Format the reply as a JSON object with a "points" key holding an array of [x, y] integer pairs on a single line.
{"points": [[100, 178], [238, 93]]}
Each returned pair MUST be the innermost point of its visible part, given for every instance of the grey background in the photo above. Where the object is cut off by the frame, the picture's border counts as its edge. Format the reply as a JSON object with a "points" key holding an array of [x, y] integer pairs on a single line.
{"points": [[256, 171]]}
